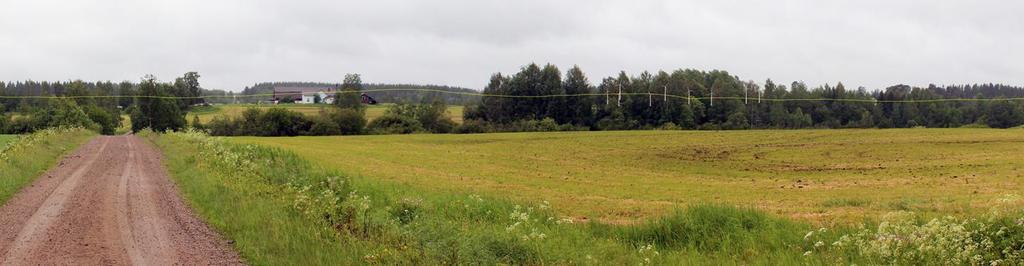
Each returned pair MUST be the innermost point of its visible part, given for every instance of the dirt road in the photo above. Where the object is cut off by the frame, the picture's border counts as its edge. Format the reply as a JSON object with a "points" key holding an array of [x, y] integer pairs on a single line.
{"points": [[108, 203]]}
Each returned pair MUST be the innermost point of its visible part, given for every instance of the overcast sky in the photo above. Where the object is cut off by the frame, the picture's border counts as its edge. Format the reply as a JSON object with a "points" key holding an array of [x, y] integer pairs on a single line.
{"points": [[235, 43]]}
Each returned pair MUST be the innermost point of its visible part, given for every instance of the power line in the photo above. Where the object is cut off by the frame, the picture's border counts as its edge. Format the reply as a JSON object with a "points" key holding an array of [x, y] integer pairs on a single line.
{"points": [[479, 94]]}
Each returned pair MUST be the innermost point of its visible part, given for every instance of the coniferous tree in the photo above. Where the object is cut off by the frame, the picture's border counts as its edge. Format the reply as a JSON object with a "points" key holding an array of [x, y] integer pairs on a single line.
{"points": [[579, 108]]}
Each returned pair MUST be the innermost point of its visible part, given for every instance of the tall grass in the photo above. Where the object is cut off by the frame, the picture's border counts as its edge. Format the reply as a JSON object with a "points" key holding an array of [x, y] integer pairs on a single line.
{"points": [[712, 228], [26, 157]]}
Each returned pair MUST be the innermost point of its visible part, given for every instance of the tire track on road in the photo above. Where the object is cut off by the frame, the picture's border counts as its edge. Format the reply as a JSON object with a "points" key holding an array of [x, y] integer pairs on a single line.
{"points": [[36, 226], [117, 206]]}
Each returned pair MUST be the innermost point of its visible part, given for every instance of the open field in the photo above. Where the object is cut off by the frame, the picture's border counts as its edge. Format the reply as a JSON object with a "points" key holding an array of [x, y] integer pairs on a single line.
{"points": [[822, 176], [280, 208], [235, 110], [611, 198]]}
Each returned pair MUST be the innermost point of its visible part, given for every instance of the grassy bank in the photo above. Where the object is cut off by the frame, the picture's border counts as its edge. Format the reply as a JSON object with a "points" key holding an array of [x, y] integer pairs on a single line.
{"points": [[23, 158]]}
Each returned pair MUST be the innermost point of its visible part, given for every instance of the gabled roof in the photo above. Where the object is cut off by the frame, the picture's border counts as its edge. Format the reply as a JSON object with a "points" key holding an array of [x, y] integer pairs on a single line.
{"points": [[303, 90]]}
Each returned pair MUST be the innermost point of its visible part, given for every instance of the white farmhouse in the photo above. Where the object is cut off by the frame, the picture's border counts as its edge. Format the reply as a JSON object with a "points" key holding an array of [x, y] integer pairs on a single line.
{"points": [[304, 95]]}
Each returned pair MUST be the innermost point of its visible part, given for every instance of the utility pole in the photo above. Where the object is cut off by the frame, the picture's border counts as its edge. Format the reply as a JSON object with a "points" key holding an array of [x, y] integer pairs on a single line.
{"points": [[619, 101], [650, 98], [712, 96], [665, 95], [688, 96], [745, 91]]}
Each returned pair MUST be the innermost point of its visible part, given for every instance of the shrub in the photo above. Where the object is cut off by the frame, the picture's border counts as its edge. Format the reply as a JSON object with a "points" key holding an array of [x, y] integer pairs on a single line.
{"points": [[737, 120], [395, 124], [669, 126], [108, 120], [443, 125], [431, 117], [615, 121], [63, 113], [282, 122], [322, 126], [222, 126], [22, 125], [350, 121], [249, 123], [547, 124], [472, 126]]}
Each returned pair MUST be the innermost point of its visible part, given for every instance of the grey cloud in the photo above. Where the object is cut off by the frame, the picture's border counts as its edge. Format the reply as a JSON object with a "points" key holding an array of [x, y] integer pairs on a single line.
{"points": [[234, 43]]}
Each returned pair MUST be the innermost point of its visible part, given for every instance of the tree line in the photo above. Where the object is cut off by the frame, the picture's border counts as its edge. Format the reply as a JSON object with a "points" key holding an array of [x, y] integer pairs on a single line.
{"points": [[719, 100], [347, 116], [382, 92], [534, 99], [162, 106], [98, 105]]}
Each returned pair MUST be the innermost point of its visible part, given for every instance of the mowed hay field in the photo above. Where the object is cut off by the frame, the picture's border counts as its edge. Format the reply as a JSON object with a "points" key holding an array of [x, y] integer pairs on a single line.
{"points": [[820, 176], [235, 110]]}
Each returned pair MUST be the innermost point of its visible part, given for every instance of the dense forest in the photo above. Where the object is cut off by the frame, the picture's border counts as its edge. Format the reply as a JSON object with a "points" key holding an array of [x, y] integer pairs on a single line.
{"points": [[693, 99]]}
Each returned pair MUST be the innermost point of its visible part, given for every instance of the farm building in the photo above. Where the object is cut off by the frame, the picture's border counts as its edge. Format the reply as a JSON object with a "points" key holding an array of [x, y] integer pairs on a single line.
{"points": [[366, 99], [304, 95]]}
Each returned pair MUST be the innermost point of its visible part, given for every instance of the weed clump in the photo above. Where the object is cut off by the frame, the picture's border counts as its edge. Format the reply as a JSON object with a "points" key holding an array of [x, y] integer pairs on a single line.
{"points": [[713, 228], [903, 238]]}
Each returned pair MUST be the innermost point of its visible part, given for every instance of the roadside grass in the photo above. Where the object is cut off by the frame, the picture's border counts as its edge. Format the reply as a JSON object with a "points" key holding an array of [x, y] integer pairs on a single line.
{"points": [[822, 176], [24, 158], [206, 114], [126, 125], [283, 209]]}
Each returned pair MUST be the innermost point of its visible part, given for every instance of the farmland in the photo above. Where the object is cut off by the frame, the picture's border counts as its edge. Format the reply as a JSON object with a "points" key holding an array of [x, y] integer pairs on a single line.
{"points": [[820, 176], [235, 110]]}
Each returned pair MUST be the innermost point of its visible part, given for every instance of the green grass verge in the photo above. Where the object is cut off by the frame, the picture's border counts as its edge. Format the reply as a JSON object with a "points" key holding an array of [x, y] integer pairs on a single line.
{"points": [[24, 158], [283, 209]]}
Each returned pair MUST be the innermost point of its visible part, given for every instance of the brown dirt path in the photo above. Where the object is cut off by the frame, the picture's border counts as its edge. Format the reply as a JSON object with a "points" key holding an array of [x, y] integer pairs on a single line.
{"points": [[109, 203]]}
